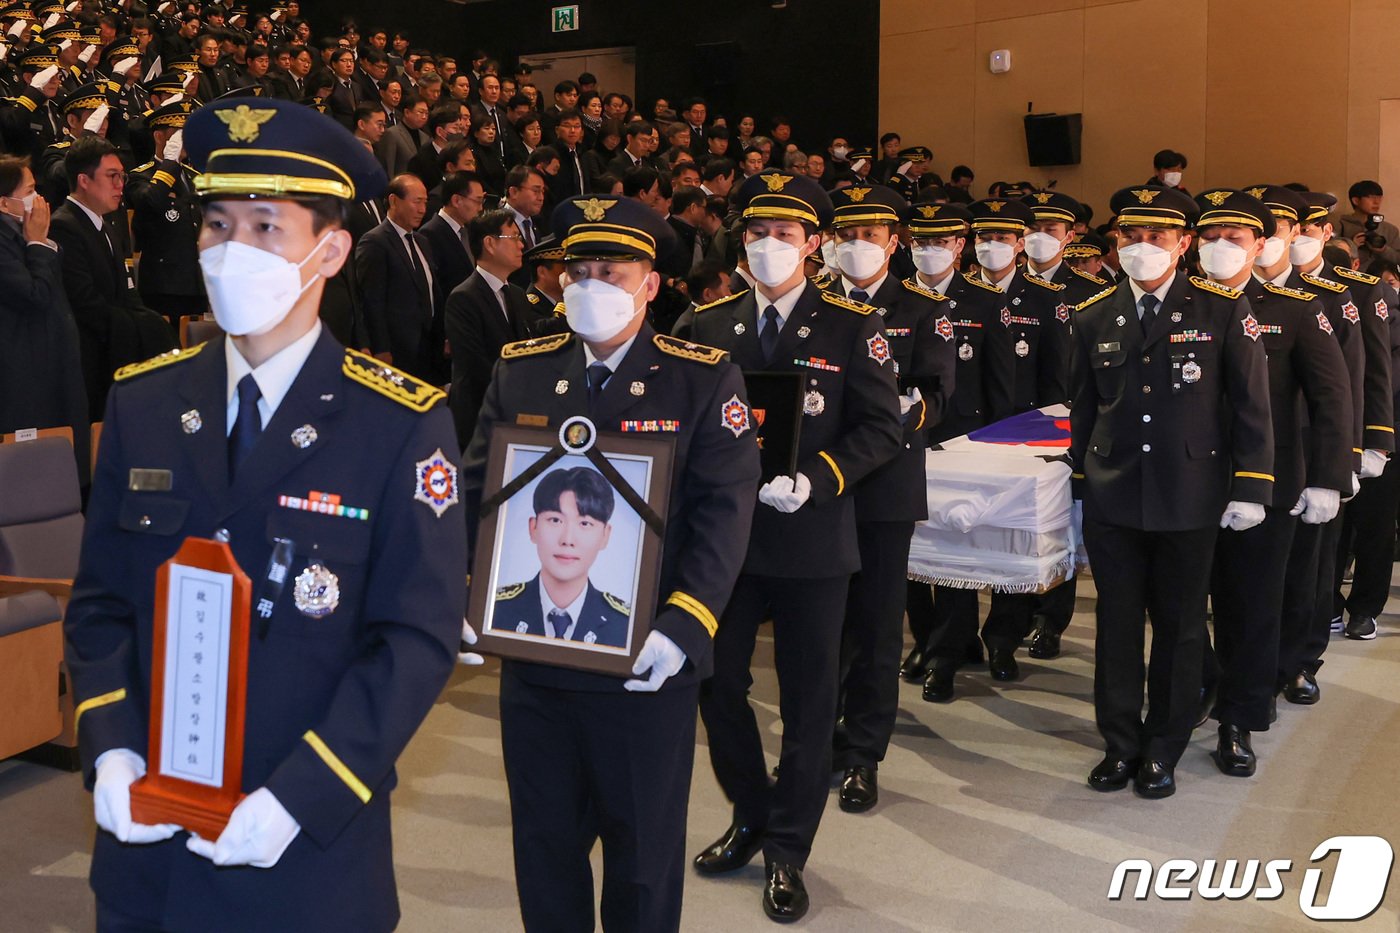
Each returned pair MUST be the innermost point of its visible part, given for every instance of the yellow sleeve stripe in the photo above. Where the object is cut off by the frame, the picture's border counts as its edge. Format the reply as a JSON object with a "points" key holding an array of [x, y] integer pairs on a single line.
{"points": [[923, 414], [1380, 427], [165, 178], [338, 766], [1245, 474], [1076, 476], [696, 608], [106, 699], [1357, 450], [840, 479]]}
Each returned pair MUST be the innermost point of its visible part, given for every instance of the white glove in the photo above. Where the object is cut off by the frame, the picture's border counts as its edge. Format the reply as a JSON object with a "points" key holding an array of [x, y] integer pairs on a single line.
{"points": [[173, 146], [117, 770], [469, 658], [44, 77], [125, 65], [86, 54], [1355, 488], [94, 122], [174, 99], [1372, 463], [51, 22], [784, 493], [907, 402], [663, 656], [15, 31], [1318, 506], [258, 832], [903, 167], [1242, 516], [74, 5]]}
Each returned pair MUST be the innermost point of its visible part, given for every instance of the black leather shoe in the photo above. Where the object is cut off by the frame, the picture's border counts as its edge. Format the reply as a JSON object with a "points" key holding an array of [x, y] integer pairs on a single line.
{"points": [[735, 849], [784, 894], [1154, 780], [1001, 662], [859, 789], [1045, 644], [1302, 689], [915, 666], [1362, 628], [1112, 774], [938, 685], [1233, 754]]}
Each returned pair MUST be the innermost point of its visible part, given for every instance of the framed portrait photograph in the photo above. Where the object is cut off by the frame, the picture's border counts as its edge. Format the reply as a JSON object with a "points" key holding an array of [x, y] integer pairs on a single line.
{"points": [[569, 546]]}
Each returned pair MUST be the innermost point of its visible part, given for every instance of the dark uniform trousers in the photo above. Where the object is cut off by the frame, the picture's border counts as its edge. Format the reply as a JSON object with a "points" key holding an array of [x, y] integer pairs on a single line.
{"points": [[586, 760], [331, 701], [1167, 427], [1308, 384], [1368, 532], [888, 503], [943, 619], [799, 565]]}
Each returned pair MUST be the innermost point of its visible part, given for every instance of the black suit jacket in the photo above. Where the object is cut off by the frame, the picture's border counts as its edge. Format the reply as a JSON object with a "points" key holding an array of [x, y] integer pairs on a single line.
{"points": [[342, 103], [476, 330], [424, 164], [451, 261], [565, 184], [400, 309]]}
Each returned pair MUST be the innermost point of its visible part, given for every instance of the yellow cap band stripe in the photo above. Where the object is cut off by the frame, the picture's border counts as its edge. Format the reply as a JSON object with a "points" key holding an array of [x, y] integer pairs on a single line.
{"points": [[614, 239]]}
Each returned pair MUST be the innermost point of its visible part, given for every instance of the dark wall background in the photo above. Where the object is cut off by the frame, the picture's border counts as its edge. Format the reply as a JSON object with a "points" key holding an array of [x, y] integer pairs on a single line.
{"points": [[816, 62]]}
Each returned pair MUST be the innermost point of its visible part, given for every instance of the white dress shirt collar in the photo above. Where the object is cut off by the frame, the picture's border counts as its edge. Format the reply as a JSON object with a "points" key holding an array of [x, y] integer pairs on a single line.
{"points": [[613, 360], [574, 609], [93, 216], [274, 377], [1160, 293]]}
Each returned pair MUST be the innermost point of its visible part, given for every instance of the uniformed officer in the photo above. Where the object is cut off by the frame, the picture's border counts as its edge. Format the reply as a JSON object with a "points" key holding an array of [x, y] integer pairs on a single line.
{"points": [[41, 103], [804, 545], [1306, 374], [982, 382], [893, 497], [160, 91], [1307, 602], [1086, 254], [1171, 441], [588, 756], [165, 220], [545, 260], [356, 552], [913, 162], [85, 113]]}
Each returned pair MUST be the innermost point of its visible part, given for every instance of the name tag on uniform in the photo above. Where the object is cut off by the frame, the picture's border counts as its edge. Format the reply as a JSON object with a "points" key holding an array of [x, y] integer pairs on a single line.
{"points": [[141, 480], [1112, 347], [532, 421]]}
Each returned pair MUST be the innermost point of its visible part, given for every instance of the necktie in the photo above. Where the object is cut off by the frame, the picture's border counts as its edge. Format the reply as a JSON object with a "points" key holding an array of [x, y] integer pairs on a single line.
{"points": [[247, 425], [505, 309], [527, 230], [768, 339], [598, 374], [560, 619], [1149, 312], [861, 295]]}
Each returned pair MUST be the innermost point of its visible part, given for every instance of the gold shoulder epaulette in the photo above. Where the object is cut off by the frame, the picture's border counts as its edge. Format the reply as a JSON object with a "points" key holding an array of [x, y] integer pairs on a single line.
{"points": [[822, 279], [26, 103], [918, 289], [1043, 283], [388, 381], [725, 299], [142, 168], [1355, 276], [617, 604], [535, 345], [1320, 282], [511, 591], [63, 145], [686, 350], [842, 301], [559, 310], [1288, 292], [978, 281], [1095, 299], [532, 298], [156, 362], [1088, 275], [1206, 285]]}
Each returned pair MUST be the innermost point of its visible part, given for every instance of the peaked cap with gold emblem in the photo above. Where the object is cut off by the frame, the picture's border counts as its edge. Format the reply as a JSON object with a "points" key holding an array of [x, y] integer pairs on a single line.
{"points": [[865, 205], [1000, 215], [938, 220], [620, 229], [1227, 207], [267, 148], [777, 195], [1053, 206], [1153, 206]]}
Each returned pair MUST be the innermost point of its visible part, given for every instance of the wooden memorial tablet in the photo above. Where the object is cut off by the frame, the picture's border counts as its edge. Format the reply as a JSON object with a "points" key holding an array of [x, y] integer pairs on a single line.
{"points": [[199, 689]]}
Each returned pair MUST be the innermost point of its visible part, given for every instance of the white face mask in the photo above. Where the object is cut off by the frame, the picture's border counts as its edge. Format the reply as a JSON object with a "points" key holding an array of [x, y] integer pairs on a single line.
{"points": [[861, 259], [250, 289], [995, 256], [932, 260], [26, 204], [840, 152], [1304, 250], [1273, 252], [829, 257], [1221, 259], [1143, 262], [772, 261], [598, 311], [1042, 247], [1171, 179]]}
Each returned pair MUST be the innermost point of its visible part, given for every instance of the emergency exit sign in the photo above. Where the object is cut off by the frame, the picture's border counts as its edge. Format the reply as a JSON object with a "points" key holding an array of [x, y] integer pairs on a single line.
{"points": [[566, 18]]}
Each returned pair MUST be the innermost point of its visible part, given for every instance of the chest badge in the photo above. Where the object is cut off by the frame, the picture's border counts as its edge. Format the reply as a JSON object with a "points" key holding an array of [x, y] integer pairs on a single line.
{"points": [[739, 327], [1176, 317], [304, 436], [1023, 349], [1120, 320], [638, 388], [944, 328], [813, 403], [561, 387], [436, 485], [191, 421], [1062, 313], [316, 591], [965, 352], [879, 349], [1251, 326], [172, 215], [1016, 301], [1191, 371], [804, 331]]}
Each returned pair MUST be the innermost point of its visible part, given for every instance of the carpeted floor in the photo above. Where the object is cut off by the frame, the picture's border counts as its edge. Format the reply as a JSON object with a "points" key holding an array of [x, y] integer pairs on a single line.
{"points": [[984, 822]]}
